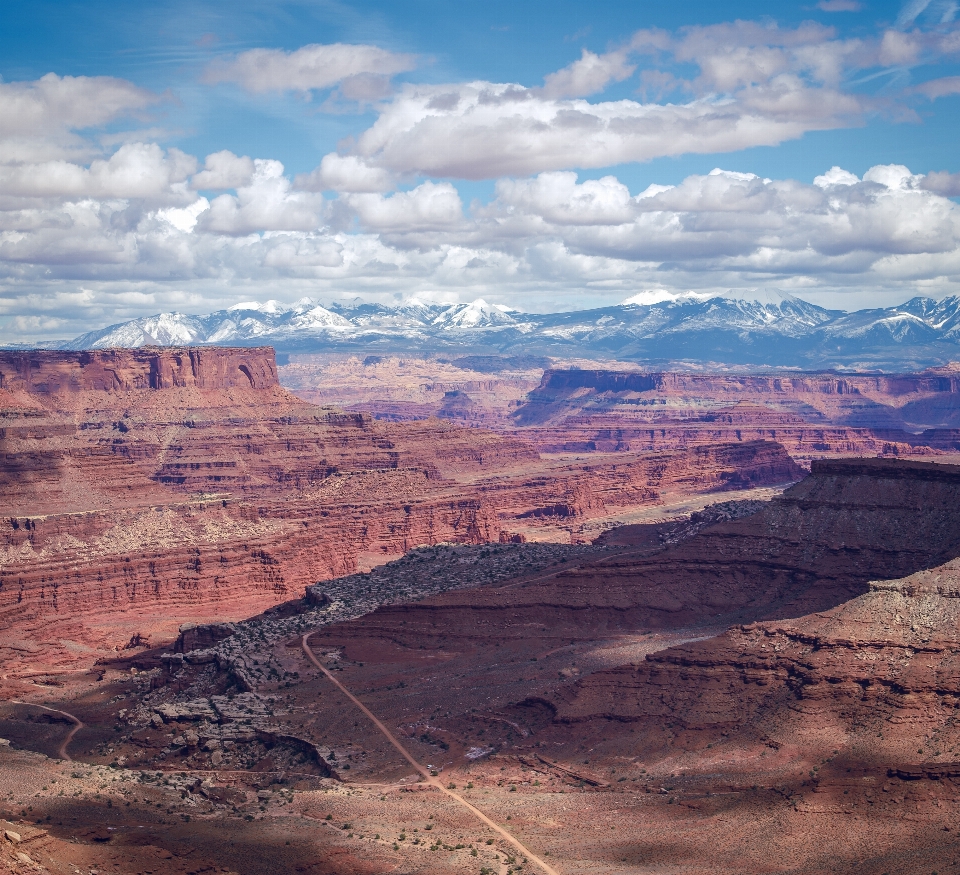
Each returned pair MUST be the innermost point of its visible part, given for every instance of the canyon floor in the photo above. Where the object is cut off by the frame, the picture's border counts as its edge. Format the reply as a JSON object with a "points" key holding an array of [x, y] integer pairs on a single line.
{"points": [[745, 668], [732, 693]]}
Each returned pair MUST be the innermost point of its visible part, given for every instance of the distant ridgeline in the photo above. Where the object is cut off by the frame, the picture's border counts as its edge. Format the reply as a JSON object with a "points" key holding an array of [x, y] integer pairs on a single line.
{"points": [[779, 330], [591, 401]]}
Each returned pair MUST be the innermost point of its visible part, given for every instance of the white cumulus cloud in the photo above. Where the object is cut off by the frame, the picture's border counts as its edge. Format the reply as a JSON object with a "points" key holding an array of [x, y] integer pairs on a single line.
{"points": [[54, 103], [755, 84], [503, 130], [345, 173], [267, 204], [135, 170], [589, 75], [430, 206], [38, 119], [558, 198], [224, 170]]}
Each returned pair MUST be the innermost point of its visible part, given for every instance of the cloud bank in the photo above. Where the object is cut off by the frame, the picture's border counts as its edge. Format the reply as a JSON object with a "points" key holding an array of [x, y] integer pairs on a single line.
{"points": [[92, 232]]}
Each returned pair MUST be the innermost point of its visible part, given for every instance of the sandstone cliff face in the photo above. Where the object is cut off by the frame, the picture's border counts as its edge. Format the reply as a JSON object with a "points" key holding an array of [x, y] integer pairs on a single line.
{"points": [[608, 433], [154, 487], [45, 373], [816, 546], [892, 653], [835, 692], [594, 410], [812, 415], [860, 399], [592, 488], [875, 679], [404, 388]]}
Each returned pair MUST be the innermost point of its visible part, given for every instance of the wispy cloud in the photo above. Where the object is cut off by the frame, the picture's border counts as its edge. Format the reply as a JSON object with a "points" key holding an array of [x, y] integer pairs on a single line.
{"points": [[312, 67], [840, 5]]}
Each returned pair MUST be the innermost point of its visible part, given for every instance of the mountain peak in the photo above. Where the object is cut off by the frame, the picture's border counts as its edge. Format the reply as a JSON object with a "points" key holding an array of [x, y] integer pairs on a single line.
{"points": [[764, 327], [649, 297], [271, 307], [765, 297], [476, 314]]}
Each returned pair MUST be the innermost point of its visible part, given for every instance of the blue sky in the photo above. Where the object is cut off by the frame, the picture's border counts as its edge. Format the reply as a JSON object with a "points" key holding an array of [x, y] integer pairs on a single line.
{"points": [[449, 151]]}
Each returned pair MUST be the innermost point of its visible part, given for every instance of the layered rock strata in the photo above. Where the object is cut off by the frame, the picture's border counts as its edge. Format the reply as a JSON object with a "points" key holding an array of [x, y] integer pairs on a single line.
{"points": [[39, 372], [826, 741], [889, 658], [816, 546], [144, 488], [587, 409], [812, 415], [931, 398]]}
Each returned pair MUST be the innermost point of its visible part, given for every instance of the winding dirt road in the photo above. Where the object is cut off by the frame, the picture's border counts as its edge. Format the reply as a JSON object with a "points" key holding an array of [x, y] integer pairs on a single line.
{"points": [[430, 779], [77, 725]]}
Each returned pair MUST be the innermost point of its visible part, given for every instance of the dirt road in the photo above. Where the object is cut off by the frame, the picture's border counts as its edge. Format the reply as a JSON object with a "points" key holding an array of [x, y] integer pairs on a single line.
{"points": [[430, 779]]}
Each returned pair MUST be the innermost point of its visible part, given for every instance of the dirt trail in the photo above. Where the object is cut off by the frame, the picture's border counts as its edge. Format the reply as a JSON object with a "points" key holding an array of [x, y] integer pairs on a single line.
{"points": [[430, 779], [77, 726]]}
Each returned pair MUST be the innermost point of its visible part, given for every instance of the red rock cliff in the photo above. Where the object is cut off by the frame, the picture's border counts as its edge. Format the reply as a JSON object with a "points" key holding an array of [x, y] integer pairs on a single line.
{"points": [[152, 487], [812, 415], [814, 547], [43, 372]]}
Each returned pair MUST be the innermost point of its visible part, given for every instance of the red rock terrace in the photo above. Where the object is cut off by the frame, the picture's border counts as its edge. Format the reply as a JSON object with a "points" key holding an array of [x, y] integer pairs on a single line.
{"points": [[144, 488], [604, 706]]}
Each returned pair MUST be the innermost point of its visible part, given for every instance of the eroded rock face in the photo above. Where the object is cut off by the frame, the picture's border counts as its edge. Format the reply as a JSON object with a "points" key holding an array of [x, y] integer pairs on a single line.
{"points": [[816, 546], [157, 483], [200, 636], [932, 398], [823, 725], [144, 488], [478, 390], [812, 415], [884, 666], [44, 372]]}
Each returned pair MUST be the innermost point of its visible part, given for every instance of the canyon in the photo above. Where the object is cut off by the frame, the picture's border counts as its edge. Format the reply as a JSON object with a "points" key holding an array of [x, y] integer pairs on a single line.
{"points": [[690, 694], [475, 615], [579, 406], [142, 489]]}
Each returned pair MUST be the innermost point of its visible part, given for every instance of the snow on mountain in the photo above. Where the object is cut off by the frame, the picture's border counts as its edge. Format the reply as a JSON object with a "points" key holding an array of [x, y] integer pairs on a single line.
{"points": [[659, 296], [881, 326], [164, 329], [476, 314], [942, 315], [765, 310], [319, 317], [761, 327], [271, 308]]}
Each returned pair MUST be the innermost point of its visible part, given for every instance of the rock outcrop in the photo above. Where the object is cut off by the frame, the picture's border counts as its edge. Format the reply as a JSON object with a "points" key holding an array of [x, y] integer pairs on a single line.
{"points": [[812, 415], [814, 547], [593, 410], [141, 489], [586, 691], [890, 657], [881, 400], [43, 372]]}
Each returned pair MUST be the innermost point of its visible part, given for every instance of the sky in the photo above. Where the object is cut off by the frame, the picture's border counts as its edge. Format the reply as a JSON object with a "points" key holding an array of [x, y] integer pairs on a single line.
{"points": [[547, 156]]}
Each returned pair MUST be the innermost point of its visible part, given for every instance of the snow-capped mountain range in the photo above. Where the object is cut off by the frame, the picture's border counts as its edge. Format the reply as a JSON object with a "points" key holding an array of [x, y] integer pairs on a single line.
{"points": [[768, 328]]}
